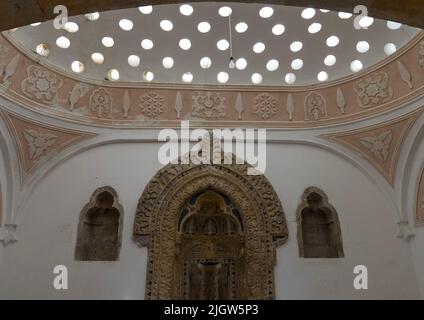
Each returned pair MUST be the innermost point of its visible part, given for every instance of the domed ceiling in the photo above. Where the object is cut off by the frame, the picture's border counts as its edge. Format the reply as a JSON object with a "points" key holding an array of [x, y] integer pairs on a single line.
{"points": [[193, 43]]}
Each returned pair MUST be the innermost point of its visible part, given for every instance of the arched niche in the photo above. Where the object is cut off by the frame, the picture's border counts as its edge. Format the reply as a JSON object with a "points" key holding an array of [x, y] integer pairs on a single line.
{"points": [[168, 224], [318, 227], [100, 227]]}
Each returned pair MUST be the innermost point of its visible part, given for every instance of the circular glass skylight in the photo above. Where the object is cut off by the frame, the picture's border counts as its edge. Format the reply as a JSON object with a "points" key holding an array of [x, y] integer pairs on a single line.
{"points": [[362, 46], [204, 27], [63, 42], [113, 75], [257, 78], [241, 27], [205, 63], [322, 76], [314, 27], [148, 75], [366, 22], [308, 13], [97, 58], [223, 44], [42, 49], [77, 67], [71, 27], [147, 44], [146, 9], [186, 9], [241, 63], [330, 60], [108, 42], [333, 41], [297, 64], [225, 11], [390, 48], [266, 12], [258, 47], [290, 78], [222, 77], [344, 15], [185, 44], [126, 24], [296, 46], [272, 47], [92, 16], [278, 29], [187, 77], [134, 61], [166, 25], [356, 66], [168, 62], [272, 65], [393, 25]]}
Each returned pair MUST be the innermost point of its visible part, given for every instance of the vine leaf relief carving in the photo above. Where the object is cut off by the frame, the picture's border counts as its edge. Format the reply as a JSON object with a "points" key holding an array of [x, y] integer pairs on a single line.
{"points": [[4, 50], [126, 103], [239, 105], [315, 106], [405, 74], [264, 106], [178, 104], [78, 91], [379, 145], [38, 143], [341, 101], [208, 105], [373, 90], [290, 106], [10, 70]]}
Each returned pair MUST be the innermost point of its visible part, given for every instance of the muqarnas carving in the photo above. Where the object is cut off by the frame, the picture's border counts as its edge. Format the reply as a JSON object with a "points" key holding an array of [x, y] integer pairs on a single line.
{"points": [[100, 227], [318, 226]]}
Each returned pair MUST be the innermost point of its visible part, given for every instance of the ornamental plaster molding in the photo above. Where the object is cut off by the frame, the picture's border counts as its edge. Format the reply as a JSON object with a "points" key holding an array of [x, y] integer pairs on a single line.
{"points": [[419, 210], [379, 144], [388, 85]]}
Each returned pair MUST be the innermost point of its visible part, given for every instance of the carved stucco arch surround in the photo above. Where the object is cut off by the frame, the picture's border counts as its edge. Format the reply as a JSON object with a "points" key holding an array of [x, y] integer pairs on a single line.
{"points": [[155, 224]]}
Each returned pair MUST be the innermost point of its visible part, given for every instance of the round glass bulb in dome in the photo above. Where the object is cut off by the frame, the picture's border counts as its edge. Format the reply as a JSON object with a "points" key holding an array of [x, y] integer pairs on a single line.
{"points": [[278, 29], [185, 44], [92, 16], [256, 78], [330, 60], [205, 63], [134, 61], [362, 46], [204, 27], [147, 44], [225, 11], [222, 77], [43, 50], [297, 64], [187, 77], [290, 78], [145, 9], [356, 66], [166, 25], [272, 65], [333, 41], [366, 22], [113, 75], [266, 12], [241, 27], [126, 24], [223, 44], [296, 46], [71, 27], [390, 48], [308, 13], [148, 75], [97, 58], [77, 67], [108, 42], [393, 25], [168, 62], [241, 63], [186, 9], [258, 47], [344, 15], [63, 42], [314, 27], [322, 76]]}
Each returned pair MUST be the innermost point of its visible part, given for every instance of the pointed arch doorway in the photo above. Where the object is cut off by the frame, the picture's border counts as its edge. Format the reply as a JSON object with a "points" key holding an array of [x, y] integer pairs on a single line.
{"points": [[211, 233]]}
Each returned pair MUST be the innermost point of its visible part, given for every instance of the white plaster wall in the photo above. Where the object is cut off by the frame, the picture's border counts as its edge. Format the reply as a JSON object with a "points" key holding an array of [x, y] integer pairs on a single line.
{"points": [[48, 232]]}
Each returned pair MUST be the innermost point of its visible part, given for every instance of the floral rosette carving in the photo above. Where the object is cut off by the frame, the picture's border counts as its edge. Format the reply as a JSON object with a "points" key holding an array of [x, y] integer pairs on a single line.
{"points": [[208, 105], [41, 84], [152, 104], [101, 103], [379, 145], [38, 143], [373, 90], [264, 106]]}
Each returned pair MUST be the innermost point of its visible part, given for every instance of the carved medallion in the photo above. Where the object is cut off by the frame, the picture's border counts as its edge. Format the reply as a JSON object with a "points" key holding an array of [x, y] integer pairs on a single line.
{"points": [[41, 84], [379, 145], [38, 143], [208, 105], [152, 104], [264, 106], [373, 90]]}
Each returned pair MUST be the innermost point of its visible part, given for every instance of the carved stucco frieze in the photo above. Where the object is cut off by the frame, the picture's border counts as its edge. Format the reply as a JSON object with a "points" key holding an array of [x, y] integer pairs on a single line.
{"points": [[379, 144], [373, 90], [152, 104], [265, 106], [315, 106], [101, 103], [158, 211], [208, 105], [39, 143]]}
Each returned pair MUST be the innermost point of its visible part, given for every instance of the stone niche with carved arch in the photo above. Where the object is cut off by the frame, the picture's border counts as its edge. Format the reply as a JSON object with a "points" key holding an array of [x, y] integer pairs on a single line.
{"points": [[211, 232], [318, 227]]}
